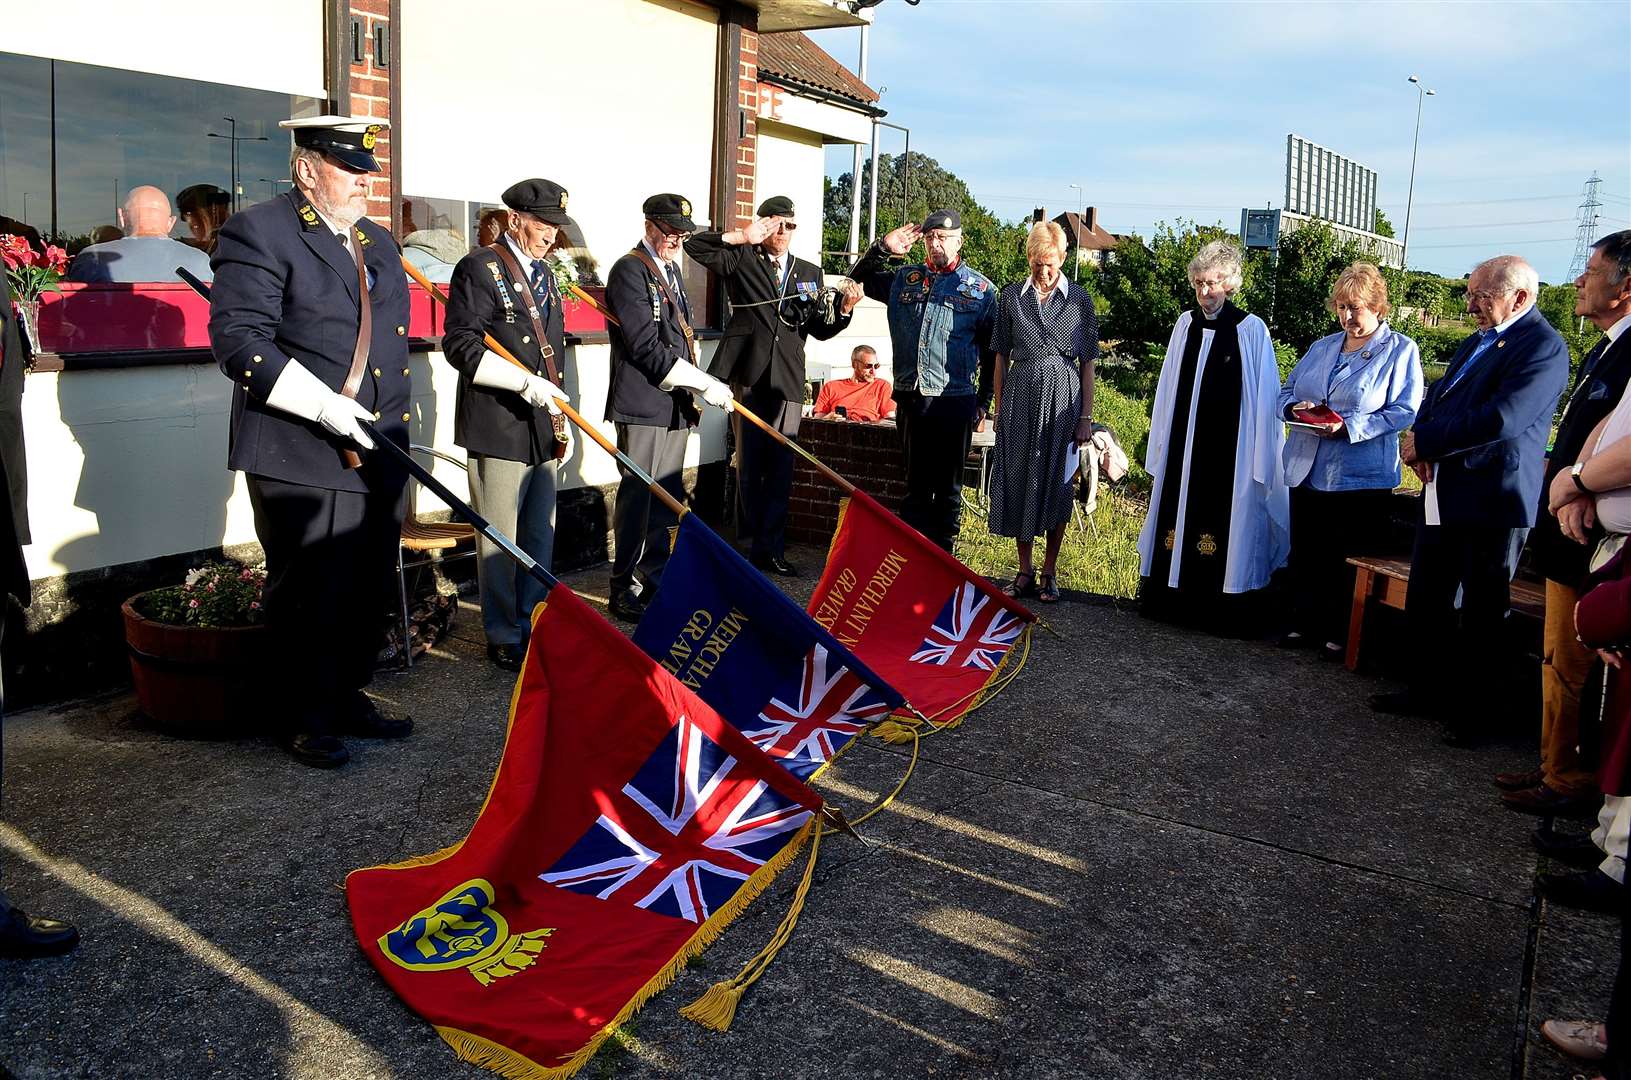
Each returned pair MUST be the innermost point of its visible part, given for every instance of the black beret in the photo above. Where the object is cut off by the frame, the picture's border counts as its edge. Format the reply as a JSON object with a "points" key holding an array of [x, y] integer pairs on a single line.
{"points": [[776, 206], [942, 219], [671, 210], [543, 199]]}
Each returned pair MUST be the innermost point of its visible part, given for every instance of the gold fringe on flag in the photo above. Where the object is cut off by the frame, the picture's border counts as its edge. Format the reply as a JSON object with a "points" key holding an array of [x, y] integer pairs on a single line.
{"points": [[903, 728]]}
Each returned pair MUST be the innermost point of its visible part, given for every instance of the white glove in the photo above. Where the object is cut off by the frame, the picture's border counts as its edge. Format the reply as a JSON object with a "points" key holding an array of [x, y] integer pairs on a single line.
{"points": [[686, 375], [498, 373], [300, 393]]}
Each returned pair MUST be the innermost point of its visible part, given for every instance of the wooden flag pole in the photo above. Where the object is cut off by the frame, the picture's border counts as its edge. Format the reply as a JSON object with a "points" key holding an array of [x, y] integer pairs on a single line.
{"points": [[663, 494], [747, 414]]}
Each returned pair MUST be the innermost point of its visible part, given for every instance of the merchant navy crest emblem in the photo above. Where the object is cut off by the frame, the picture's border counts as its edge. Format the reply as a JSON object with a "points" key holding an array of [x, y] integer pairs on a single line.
{"points": [[1206, 545], [464, 930], [685, 207], [369, 136], [1172, 537]]}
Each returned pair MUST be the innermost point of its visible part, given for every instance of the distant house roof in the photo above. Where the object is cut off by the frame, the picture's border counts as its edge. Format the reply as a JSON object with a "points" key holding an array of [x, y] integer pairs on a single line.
{"points": [[1088, 234], [795, 61]]}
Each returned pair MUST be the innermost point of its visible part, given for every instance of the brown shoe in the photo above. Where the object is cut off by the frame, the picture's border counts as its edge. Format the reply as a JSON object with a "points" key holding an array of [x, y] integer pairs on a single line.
{"points": [[1583, 1039], [1517, 781], [1544, 800]]}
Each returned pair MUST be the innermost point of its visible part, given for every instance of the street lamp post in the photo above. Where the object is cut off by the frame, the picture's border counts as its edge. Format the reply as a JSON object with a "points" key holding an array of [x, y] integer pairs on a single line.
{"points": [[1076, 266], [235, 140], [1422, 93]]}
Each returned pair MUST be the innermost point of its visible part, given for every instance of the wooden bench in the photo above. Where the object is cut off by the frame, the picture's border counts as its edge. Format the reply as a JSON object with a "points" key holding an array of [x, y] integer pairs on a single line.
{"points": [[1385, 581]]}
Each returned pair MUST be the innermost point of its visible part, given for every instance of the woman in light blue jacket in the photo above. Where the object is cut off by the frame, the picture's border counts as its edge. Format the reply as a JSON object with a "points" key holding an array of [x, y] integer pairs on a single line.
{"points": [[1342, 469]]}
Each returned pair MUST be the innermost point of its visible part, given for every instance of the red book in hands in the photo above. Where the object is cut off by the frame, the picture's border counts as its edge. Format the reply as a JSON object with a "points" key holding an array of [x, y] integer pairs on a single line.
{"points": [[1318, 416]]}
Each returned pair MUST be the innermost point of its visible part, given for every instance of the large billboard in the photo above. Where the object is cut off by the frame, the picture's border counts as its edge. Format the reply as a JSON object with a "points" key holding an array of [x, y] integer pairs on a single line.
{"points": [[1323, 184]]}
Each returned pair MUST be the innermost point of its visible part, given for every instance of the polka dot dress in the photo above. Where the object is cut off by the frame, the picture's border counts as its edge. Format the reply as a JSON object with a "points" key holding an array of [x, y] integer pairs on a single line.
{"points": [[1041, 403]]}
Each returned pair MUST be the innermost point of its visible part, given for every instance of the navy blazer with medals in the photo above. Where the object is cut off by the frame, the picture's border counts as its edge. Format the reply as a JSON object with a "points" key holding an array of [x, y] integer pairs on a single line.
{"points": [[1599, 390], [286, 287], [482, 299], [1485, 432], [766, 335], [646, 341]]}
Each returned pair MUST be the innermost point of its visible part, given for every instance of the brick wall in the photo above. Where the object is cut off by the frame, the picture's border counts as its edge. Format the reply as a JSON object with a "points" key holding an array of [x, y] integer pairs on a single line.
{"points": [[747, 100], [867, 454], [371, 96]]}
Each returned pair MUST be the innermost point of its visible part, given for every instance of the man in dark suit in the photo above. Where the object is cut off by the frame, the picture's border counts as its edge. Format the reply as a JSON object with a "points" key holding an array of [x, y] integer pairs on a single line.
{"points": [[508, 290], [1479, 445], [777, 304], [22, 936], [309, 319], [653, 371], [1563, 784]]}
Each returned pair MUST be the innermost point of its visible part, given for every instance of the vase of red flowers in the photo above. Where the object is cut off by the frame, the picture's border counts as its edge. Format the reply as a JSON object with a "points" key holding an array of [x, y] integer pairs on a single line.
{"points": [[32, 275]]}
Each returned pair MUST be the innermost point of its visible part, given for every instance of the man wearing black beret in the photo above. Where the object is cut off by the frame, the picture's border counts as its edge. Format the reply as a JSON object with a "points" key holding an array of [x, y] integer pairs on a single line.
{"points": [[653, 373], [941, 317], [505, 416], [776, 302]]}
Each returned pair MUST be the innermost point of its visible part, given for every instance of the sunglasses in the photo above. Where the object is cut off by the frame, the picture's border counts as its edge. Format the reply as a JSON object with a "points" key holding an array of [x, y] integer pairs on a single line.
{"points": [[870, 367]]}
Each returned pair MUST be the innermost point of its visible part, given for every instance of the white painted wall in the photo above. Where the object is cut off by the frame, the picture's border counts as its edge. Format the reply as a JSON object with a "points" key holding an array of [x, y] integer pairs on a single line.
{"points": [[276, 46], [623, 93], [791, 162]]}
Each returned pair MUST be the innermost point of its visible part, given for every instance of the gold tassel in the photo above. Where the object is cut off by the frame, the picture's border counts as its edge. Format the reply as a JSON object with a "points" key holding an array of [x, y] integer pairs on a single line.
{"points": [[893, 730], [716, 1008]]}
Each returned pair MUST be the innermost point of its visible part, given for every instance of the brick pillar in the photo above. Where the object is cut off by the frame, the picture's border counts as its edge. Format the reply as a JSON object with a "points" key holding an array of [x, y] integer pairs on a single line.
{"points": [[370, 87], [744, 168]]}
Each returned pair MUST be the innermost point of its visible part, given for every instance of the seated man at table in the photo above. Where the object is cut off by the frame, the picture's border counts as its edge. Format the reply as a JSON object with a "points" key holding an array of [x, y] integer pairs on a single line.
{"points": [[865, 397]]}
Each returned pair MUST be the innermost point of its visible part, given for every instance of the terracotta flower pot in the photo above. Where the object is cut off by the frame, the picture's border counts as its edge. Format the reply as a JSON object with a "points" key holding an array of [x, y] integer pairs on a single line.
{"points": [[191, 680]]}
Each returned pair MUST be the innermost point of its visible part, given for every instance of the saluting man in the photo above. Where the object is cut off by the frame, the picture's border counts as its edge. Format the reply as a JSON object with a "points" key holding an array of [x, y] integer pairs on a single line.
{"points": [[515, 446], [653, 370], [776, 298], [309, 318]]}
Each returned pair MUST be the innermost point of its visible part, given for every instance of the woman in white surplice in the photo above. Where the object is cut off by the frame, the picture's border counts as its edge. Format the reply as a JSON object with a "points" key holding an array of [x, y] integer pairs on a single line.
{"points": [[1218, 523]]}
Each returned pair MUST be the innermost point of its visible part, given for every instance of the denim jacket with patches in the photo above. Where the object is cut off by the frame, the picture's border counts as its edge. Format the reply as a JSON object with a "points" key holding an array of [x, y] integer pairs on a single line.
{"points": [[940, 325]]}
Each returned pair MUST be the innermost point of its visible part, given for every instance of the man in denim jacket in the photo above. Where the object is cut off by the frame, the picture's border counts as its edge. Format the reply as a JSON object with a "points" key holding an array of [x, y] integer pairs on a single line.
{"points": [[941, 316]]}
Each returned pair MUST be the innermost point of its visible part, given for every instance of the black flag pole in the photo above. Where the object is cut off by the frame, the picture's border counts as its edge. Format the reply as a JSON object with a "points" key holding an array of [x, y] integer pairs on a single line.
{"points": [[424, 476]]}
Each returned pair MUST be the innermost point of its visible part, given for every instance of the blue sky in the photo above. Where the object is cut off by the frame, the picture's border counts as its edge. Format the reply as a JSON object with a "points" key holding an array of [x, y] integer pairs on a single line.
{"points": [[1168, 110]]}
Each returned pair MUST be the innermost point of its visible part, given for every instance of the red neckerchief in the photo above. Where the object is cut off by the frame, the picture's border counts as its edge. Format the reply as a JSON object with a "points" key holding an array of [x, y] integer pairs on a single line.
{"points": [[951, 267]]}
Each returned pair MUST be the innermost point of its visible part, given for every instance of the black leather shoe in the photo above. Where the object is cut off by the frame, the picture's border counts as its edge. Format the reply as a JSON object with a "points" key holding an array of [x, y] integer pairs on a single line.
{"points": [[1570, 849], [28, 937], [508, 657], [1548, 802], [775, 564], [1591, 890], [318, 751], [1399, 703], [627, 605], [358, 715]]}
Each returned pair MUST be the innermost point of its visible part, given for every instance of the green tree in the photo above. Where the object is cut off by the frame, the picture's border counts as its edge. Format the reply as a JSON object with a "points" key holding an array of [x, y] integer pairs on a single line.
{"points": [[1292, 292], [1383, 226], [1145, 288], [918, 183], [1556, 303]]}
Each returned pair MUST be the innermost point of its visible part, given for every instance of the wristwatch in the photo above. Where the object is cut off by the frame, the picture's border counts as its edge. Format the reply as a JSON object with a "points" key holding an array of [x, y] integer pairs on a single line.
{"points": [[1574, 474]]}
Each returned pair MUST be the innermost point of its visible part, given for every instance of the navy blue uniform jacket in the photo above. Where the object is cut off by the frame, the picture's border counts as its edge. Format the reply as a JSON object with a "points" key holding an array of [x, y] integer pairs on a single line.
{"points": [[758, 339], [483, 300], [286, 288], [645, 343], [1486, 436]]}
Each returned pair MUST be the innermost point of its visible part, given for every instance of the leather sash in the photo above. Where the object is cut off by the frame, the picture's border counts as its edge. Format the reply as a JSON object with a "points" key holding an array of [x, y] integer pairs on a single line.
{"points": [[557, 422], [365, 337], [679, 310]]}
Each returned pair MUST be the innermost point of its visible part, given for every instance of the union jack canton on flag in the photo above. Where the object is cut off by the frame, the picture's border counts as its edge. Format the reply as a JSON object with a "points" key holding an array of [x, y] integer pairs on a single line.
{"points": [[971, 631], [681, 837]]}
